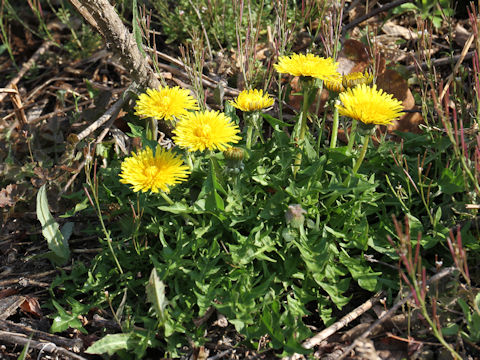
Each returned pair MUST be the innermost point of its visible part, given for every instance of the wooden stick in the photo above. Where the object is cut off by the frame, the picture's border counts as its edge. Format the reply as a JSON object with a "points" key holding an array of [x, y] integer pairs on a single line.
{"points": [[332, 329], [48, 347], [441, 61], [75, 344], [26, 66], [437, 277], [109, 114], [118, 38], [372, 13], [457, 66]]}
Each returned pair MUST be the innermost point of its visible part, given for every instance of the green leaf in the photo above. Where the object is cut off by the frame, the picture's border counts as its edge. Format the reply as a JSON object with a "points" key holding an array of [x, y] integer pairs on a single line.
{"points": [[110, 344], [24, 352], [361, 272], [451, 182], [274, 122], [176, 208], [137, 32], [156, 295], [57, 243], [213, 201], [64, 320], [78, 207], [450, 330]]}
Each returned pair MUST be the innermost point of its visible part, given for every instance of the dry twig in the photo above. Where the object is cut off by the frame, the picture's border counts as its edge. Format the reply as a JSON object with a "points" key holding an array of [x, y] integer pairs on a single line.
{"points": [[48, 347], [75, 344], [437, 277], [26, 66], [332, 329]]}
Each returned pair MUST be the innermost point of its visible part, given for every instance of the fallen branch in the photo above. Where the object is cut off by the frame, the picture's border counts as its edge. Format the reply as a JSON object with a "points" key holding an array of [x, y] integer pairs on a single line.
{"points": [[102, 15], [48, 347], [372, 13], [9, 326], [26, 66], [108, 115], [437, 277], [332, 329]]}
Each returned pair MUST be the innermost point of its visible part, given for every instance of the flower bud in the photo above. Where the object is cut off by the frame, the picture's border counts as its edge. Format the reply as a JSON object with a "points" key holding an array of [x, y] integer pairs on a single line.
{"points": [[294, 215], [233, 159]]}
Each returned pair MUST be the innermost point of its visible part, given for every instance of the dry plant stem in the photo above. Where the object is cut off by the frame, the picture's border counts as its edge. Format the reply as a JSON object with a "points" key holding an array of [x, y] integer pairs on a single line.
{"points": [[457, 66], [435, 278], [441, 61], [206, 80], [47, 347], [372, 13], [332, 329], [26, 66], [203, 28]]}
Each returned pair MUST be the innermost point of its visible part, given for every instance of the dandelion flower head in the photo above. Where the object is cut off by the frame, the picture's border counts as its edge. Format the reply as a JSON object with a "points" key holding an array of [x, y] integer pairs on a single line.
{"points": [[307, 65], [166, 103], [205, 130], [148, 171], [369, 105], [343, 82], [252, 100]]}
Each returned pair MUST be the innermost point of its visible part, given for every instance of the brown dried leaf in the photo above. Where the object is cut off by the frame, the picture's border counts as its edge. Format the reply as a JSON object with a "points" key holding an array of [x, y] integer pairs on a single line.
{"points": [[9, 195], [31, 306], [353, 57], [395, 30], [393, 83]]}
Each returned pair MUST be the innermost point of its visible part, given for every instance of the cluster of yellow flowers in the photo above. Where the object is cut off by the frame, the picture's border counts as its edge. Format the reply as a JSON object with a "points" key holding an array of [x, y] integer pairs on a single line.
{"points": [[359, 101], [158, 169]]}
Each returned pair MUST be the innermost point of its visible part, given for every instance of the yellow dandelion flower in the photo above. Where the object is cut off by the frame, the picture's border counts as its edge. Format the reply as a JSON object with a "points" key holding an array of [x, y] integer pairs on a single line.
{"points": [[206, 130], [252, 100], [369, 105], [147, 171], [165, 103], [307, 65], [343, 82]]}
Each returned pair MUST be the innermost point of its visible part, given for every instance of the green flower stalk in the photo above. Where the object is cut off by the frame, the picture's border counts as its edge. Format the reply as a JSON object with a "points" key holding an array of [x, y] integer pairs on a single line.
{"points": [[309, 67]]}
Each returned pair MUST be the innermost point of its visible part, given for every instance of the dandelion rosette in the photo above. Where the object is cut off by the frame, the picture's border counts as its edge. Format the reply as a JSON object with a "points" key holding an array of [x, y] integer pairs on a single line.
{"points": [[165, 103], [148, 171], [307, 65], [202, 130], [343, 82], [252, 100], [369, 105]]}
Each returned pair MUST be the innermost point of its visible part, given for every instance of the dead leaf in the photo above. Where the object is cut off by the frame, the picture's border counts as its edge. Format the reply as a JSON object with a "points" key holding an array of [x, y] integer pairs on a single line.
{"points": [[31, 306], [9, 195], [461, 36], [200, 353], [395, 30], [353, 57], [393, 83]]}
